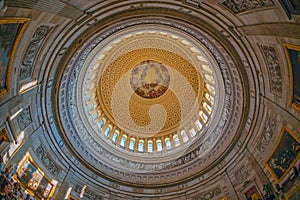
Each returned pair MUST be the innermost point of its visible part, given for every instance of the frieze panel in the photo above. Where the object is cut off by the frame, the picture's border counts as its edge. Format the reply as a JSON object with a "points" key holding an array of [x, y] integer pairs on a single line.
{"points": [[47, 161], [273, 68], [87, 193], [208, 195], [239, 6], [266, 136], [32, 50], [23, 119], [241, 175]]}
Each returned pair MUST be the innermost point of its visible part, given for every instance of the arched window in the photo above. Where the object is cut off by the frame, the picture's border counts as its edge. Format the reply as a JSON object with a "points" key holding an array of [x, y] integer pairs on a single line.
{"points": [[168, 143], [107, 131], [95, 116], [131, 143], [176, 140], [198, 125], [209, 98], [123, 140], [141, 146], [193, 132], [101, 124], [207, 107], [92, 106], [158, 145], [184, 136], [203, 116], [115, 136], [210, 88], [150, 146]]}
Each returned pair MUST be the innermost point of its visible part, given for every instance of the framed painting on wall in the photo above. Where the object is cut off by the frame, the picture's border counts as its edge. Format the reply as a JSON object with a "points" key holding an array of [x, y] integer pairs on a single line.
{"points": [[291, 7], [33, 179], [11, 30], [284, 155], [6, 138], [253, 194], [293, 56]]}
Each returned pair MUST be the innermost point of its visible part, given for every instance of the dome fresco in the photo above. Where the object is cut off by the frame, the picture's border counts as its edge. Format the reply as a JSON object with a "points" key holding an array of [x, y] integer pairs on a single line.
{"points": [[149, 79], [151, 99]]}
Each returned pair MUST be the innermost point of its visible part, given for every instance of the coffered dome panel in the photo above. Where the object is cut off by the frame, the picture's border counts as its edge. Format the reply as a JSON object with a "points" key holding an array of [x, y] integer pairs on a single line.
{"points": [[109, 123]]}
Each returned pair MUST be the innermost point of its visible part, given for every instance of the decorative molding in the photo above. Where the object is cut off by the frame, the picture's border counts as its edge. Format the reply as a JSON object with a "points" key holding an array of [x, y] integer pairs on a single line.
{"points": [[208, 195], [47, 161], [55, 7], [96, 154], [87, 193], [266, 136], [23, 119], [32, 51], [273, 68], [240, 6], [192, 3]]}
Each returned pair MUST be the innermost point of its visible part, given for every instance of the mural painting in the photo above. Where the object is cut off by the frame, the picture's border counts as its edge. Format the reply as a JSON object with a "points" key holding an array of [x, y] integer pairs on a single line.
{"points": [[10, 33], [293, 57], [32, 179], [253, 194], [284, 155]]}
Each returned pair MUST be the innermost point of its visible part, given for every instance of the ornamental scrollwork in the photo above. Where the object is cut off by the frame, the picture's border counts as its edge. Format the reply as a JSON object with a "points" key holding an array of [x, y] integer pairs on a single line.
{"points": [[208, 194], [47, 161], [23, 119], [87, 193], [239, 6], [241, 175], [267, 135], [32, 50], [273, 68]]}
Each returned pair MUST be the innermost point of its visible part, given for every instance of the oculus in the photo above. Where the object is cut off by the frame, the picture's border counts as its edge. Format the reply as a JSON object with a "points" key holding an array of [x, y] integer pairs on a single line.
{"points": [[150, 79]]}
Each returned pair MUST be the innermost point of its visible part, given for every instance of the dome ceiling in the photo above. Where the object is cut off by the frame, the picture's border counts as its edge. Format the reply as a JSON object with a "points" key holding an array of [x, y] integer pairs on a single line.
{"points": [[149, 97], [152, 99]]}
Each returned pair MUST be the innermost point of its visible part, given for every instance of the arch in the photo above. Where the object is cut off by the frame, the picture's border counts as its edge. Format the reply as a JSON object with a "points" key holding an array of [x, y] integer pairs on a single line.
{"points": [[123, 140], [207, 107], [193, 132], [158, 145], [203, 116], [198, 124], [168, 143], [101, 124], [209, 98], [150, 146], [108, 130], [141, 145], [115, 136], [176, 140], [184, 136], [131, 143]]}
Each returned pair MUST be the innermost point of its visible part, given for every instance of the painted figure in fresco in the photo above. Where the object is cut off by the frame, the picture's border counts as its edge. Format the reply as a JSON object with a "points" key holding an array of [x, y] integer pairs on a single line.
{"points": [[285, 154]]}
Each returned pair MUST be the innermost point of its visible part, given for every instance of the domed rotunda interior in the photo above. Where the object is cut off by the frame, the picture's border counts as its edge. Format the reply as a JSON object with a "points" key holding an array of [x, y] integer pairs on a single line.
{"points": [[150, 100]]}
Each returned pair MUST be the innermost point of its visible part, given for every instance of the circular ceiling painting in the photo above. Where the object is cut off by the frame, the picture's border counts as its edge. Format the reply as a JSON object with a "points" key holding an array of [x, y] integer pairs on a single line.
{"points": [[150, 79]]}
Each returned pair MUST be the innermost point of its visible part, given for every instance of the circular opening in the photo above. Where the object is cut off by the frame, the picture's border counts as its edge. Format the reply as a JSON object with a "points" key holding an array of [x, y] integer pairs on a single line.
{"points": [[150, 79]]}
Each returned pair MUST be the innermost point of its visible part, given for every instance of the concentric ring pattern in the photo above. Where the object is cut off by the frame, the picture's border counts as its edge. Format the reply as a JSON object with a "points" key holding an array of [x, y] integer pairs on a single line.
{"points": [[181, 99], [134, 134]]}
